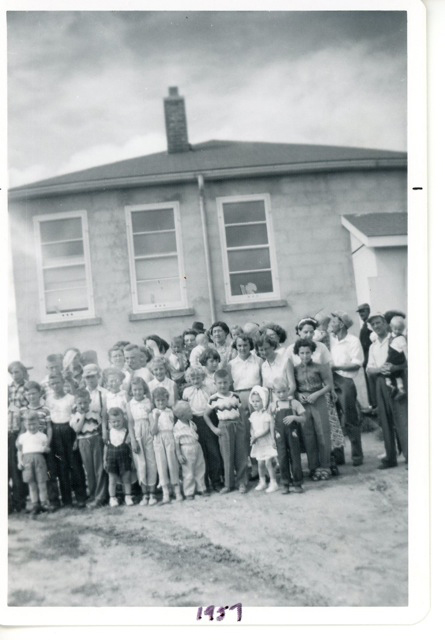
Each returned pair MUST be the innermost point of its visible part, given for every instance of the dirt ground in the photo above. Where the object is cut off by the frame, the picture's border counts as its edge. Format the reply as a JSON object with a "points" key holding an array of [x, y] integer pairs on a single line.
{"points": [[342, 543]]}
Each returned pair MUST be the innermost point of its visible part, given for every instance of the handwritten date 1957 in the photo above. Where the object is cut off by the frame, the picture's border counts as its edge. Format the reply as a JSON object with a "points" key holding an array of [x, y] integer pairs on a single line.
{"points": [[221, 612]]}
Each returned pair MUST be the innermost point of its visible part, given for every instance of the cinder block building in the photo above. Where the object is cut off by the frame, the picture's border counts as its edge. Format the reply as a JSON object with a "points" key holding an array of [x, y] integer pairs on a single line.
{"points": [[223, 230]]}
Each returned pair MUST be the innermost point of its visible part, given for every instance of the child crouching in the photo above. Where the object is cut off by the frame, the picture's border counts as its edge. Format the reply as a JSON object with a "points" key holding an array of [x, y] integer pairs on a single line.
{"points": [[188, 451]]}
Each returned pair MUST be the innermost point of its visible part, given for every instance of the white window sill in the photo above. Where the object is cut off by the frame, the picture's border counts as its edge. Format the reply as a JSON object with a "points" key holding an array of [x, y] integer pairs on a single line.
{"points": [[68, 324], [153, 315], [258, 304]]}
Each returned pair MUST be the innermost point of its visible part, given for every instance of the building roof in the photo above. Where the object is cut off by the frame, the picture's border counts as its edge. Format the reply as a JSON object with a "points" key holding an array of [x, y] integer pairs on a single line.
{"points": [[216, 159], [378, 229]]}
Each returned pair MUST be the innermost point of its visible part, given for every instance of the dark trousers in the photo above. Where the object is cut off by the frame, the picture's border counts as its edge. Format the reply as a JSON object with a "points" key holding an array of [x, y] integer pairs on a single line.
{"points": [[92, 453], [212, 455], [347, 397], [289, 453], [232, 443], [317, 434], [69, 467], [393, 418], [19, 489], [52, 485]]}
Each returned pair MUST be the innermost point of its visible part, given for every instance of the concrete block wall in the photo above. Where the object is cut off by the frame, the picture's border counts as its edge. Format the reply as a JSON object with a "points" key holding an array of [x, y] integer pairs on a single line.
{"points": [[313, 254]]}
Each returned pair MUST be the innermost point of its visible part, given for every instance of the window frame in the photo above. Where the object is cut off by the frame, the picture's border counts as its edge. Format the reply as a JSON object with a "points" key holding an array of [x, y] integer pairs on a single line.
{"points": [[253, 297], [49, 318], [167, 306]]}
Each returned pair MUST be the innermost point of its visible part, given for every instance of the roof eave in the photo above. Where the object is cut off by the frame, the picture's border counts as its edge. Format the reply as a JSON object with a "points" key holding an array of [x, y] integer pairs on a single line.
{"points": [[20, 193], [375, 242]]}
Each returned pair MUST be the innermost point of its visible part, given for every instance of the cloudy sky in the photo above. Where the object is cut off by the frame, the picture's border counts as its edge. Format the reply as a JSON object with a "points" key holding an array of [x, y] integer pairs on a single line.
{"points": [[86, 88]]}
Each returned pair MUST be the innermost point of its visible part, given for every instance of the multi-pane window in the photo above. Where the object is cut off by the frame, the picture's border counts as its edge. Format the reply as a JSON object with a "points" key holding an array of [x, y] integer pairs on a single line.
{"points": [[155, 250], [249, 263], [64, 275]]}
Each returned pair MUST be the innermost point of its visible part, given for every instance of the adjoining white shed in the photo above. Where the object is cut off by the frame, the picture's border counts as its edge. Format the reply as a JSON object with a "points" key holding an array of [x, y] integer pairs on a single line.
{"points": [[379, 258]]}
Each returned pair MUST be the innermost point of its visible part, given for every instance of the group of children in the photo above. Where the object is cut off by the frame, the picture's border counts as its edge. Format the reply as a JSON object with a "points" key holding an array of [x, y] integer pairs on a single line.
{"points": [[168, 416]]}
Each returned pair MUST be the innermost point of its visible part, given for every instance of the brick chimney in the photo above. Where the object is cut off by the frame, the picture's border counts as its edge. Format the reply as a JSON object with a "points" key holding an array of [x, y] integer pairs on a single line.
{"points": [[175, 122]]}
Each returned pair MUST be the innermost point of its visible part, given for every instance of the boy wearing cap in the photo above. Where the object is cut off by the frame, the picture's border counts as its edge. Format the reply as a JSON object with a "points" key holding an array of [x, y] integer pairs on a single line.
{"points": [[347, 358]]}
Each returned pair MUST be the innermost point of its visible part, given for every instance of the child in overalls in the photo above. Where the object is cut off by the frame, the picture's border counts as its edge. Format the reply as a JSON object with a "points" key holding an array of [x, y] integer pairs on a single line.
{"points": [[287, 414], [117, 456]]}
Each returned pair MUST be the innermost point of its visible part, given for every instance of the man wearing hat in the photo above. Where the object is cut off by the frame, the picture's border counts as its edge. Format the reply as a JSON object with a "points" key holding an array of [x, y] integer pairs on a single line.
{"points": [[198, 327], [363, 311], [347, 358], [392, 413]]}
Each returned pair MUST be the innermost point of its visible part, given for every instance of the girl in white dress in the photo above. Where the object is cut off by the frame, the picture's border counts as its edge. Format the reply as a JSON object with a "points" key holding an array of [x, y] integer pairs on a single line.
{"points": [[138, 410], [262, 440]]}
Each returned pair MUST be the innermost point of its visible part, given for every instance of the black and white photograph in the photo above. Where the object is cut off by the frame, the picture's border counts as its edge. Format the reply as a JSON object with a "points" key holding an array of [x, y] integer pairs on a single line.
{"points": [[208, 320]]}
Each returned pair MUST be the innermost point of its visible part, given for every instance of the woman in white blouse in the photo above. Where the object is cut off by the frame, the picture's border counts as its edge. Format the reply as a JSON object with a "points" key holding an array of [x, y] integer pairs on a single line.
{"points": [[275, 365]]}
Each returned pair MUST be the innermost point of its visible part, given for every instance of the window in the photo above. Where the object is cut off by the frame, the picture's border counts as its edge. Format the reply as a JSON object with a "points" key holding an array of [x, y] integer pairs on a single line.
{"points": [[156, 262], [63, 261], [250, 270]]}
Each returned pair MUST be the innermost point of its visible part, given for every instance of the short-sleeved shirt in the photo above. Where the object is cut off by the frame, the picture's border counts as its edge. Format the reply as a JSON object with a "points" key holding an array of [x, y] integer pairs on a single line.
{"points": [[346, 351], [116, 400], [246, 373], [165, 420], [309, 377], [185, 432], [227, 407], [32, 442], [168, 384], [198, 399], [90, 426], [60, 408], [44, 417]]}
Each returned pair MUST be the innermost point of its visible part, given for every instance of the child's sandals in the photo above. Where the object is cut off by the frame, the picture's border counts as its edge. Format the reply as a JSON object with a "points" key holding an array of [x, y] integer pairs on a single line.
{"points": [[321, 474]]}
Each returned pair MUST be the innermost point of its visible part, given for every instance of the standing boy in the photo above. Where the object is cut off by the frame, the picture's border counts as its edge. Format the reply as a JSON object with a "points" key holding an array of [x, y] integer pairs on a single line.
{"points": [[230, 429]]}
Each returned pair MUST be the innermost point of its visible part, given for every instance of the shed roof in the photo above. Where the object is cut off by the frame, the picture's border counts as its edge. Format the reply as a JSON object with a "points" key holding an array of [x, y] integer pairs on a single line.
{"points": [[380, 224], [228, 157]]}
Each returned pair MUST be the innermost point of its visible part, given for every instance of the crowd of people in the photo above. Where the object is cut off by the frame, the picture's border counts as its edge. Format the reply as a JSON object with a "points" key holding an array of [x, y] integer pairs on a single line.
{"points": [[206, 411]]}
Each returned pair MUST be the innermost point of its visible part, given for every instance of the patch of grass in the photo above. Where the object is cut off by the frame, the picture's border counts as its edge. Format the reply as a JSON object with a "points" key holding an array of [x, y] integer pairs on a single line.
{"points": [[64, 543], [25, 597]]}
